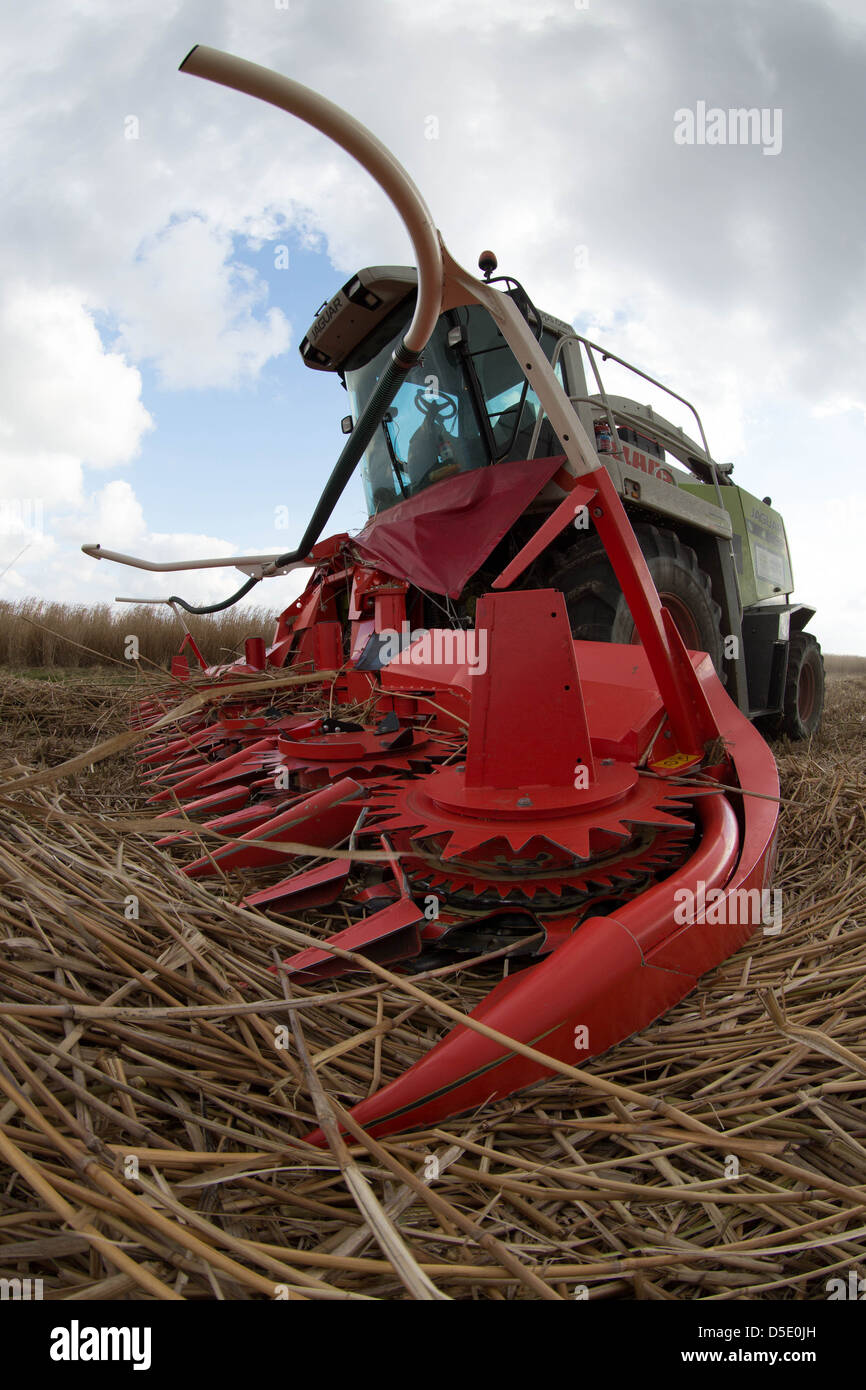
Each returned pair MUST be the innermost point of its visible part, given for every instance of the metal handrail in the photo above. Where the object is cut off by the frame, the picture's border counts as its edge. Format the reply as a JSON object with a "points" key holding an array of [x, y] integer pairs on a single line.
{"points": [[607, 355], [614, 437]]}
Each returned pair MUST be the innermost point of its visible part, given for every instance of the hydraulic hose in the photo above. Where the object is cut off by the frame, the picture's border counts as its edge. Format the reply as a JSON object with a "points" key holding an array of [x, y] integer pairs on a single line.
{"points": [[217, 607], [368, 422], [402, 360]]}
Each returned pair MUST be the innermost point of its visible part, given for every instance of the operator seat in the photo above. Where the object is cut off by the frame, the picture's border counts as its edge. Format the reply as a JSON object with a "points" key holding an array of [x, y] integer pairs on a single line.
{"points": [[547, 446], [430, 440]]}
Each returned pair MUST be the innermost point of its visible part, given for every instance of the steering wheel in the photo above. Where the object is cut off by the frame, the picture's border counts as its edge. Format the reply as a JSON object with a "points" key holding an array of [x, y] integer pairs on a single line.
{"points": [[435, 409], [425, 442]]}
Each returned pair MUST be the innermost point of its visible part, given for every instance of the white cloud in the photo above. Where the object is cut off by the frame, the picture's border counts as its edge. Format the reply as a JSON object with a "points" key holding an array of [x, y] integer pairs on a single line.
{"points": [[820, 530], [65, 404], [114, 516], [190, 308], [486, 18], [64, 400], [735, 277], [68, 406]]}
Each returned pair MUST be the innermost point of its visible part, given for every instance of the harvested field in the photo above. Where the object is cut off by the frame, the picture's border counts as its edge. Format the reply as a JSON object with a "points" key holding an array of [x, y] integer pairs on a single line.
{"points": [[149, 1125]]}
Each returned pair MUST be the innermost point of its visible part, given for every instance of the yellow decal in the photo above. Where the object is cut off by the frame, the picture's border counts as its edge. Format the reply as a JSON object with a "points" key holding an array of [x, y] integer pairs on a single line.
{"points": [[676, 760]]}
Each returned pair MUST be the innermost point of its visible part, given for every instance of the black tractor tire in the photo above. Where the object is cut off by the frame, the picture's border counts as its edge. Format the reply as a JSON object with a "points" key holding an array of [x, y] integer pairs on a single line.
{"points": [[597, 607], [803, 704]]}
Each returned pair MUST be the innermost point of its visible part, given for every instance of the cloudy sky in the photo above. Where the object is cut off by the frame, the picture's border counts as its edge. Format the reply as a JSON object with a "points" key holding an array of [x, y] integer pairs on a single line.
{"points": [[151, 395]]}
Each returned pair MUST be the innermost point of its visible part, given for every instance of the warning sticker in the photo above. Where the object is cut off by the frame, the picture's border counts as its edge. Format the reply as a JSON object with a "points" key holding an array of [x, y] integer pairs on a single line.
{"points": [[676, 760]]}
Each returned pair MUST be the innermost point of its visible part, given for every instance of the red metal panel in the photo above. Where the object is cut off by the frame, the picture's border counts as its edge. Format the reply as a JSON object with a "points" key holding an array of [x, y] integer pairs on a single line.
{"points": [[254, 653], [615, 974], [440, 537], [528, 687], [309, 888], [324, 818], [579, 497], [389, 935]]}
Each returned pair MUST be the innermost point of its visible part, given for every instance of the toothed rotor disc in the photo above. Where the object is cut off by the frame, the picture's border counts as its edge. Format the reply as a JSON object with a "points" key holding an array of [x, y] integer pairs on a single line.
{"points": [[514, 836], [624, 871]]}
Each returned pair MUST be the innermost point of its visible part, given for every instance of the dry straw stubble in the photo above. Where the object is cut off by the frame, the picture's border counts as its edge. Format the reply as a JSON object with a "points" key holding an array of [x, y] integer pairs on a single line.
{"points": [[719, 1154]]}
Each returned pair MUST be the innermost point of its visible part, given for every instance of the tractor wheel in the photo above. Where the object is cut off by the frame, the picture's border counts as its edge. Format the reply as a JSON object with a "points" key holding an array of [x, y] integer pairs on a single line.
{"points": [[804, 687], [597, 606]]}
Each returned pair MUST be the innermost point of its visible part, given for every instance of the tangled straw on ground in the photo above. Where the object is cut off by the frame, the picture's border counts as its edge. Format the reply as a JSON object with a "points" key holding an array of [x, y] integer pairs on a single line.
{"points": [[155, 1082]]}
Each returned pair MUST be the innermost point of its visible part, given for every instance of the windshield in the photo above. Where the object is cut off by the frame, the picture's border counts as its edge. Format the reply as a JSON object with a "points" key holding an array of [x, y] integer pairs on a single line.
{"points": [[464, 405]]}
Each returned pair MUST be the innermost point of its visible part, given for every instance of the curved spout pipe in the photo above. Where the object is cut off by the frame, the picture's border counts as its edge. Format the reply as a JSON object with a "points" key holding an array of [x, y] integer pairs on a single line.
{"points": [[357, 141]]}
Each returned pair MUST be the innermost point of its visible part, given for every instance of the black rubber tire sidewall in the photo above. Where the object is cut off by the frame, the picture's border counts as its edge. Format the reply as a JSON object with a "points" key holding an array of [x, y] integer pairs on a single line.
{"points": [[803, 650], [597, 606]]}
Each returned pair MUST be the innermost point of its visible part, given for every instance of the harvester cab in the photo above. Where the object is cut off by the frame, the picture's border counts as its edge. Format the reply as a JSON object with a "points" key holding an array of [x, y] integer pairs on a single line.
{"points": [[546, 768], [465, 405], [719, 555]]}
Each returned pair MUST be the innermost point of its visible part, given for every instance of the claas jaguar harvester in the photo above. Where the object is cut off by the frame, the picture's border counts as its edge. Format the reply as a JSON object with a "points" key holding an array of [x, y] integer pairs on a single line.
{"points": [[531, 684]]}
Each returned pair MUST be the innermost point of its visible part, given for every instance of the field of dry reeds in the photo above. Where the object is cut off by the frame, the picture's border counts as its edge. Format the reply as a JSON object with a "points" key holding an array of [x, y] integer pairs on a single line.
{"points": [[844, 665], [35, 635], [150, 1129]]}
